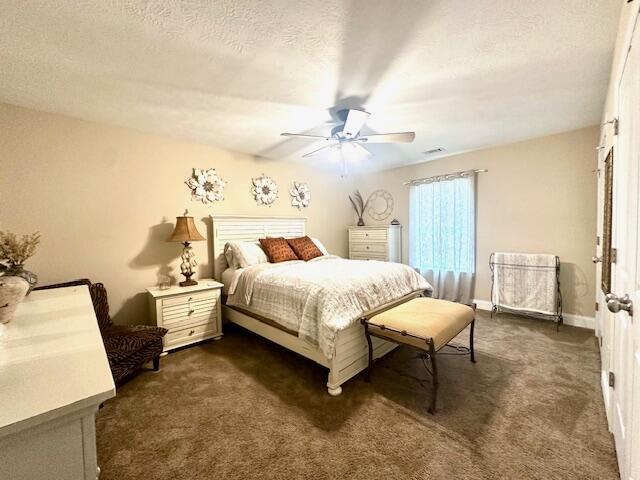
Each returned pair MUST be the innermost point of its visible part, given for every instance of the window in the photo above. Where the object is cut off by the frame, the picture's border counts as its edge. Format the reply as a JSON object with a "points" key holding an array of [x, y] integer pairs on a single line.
{"points": [[442, 234]]}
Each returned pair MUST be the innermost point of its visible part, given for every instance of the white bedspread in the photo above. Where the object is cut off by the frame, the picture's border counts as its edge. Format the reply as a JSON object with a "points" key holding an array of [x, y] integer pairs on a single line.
{"points": [[323, 296]]}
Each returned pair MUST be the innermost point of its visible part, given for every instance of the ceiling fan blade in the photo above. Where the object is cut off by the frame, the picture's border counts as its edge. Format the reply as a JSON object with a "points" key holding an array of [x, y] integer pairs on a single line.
{"points": [[317, 150], [355, 121], [304, 135], [360, 151], [400, 137]]}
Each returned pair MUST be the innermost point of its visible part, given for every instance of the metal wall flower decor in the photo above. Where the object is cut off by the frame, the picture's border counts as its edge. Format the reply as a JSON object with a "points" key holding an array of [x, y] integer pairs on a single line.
{"points": [[300, 195], [206, 186], [264, 190]]}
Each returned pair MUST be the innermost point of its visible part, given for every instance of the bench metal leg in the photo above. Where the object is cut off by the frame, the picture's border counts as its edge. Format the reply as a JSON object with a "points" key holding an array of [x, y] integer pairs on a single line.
{"points": [[370, 366], [473, 357], [434, 378]]}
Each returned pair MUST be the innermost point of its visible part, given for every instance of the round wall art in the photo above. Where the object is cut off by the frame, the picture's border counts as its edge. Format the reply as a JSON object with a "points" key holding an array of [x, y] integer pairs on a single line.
{"points": [[264, 190], [300, 195], [380, 205], [206, 186]]}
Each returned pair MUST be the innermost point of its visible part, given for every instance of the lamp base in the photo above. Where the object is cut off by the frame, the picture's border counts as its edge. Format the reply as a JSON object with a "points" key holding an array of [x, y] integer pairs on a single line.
{"points": [[187, 280]]}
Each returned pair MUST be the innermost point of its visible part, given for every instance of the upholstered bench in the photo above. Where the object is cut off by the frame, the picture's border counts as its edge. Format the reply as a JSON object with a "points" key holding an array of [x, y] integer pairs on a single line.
{"points": [[424, 323]]}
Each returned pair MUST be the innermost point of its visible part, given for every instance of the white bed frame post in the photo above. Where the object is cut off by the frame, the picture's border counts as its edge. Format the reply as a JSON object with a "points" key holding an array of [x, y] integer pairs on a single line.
{"points": [[351, 355]]}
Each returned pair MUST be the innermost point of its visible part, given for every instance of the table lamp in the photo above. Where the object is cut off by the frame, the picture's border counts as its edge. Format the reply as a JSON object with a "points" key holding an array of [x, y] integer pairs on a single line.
{"points": [[184, 233]]}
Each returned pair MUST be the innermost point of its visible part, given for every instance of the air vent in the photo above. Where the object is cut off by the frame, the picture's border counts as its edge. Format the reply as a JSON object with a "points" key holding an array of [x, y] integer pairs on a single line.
{"points": [[434, 151]]}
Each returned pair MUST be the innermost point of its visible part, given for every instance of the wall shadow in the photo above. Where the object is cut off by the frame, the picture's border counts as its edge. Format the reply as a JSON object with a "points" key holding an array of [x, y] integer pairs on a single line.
{"points": [[574, 286], [157, 253], [134, 311]]}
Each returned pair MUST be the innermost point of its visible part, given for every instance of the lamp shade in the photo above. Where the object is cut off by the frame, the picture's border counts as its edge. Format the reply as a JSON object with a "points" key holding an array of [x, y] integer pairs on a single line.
{"points": [[185, 231]]}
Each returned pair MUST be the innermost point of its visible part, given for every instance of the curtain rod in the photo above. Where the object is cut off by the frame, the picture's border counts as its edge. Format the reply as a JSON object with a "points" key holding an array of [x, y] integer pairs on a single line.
{"points": [[416, 181]]}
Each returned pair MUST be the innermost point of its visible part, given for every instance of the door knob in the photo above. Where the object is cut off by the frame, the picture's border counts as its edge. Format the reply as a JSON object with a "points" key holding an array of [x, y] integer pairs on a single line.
{"points": [[596, 259], [615, 303]]}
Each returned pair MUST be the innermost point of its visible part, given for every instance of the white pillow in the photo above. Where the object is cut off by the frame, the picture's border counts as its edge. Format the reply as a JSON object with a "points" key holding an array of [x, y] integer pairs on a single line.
{"points": [[320, 246], [245, 254]]}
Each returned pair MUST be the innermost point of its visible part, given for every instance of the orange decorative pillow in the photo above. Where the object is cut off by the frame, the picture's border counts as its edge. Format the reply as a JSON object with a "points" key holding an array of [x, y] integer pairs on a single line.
{"points": [[304, 248], [277, 249]]}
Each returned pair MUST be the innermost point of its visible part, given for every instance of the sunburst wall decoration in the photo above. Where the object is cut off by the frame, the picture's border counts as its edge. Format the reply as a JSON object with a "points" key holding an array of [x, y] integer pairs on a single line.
{"points": [[300, 195], [206, 186], [264, 190]]}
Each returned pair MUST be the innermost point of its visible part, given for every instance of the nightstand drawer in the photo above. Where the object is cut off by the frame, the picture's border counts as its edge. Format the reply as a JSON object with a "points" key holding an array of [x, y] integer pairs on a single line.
{"points": [[188, 310], [185, 299], [368, 235], [363, 247], [195, 319], [190, 334]]}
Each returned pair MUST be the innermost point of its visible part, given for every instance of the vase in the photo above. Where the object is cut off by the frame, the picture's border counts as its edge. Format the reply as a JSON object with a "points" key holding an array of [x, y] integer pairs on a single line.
{"points": [[12, 291], [19, 271], [360, 222]]}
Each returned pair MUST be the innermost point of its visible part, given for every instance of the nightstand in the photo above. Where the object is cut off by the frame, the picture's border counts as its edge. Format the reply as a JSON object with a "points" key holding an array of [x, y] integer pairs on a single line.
{"points": [[191, 314]]}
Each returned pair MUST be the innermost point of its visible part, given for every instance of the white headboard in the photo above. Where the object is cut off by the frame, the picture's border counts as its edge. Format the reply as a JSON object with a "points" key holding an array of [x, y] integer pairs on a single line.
{"points": [[227, 228]]}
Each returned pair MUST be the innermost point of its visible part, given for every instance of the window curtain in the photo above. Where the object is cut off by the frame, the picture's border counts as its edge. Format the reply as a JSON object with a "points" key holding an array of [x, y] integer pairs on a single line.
{"points": [[442, 235]]}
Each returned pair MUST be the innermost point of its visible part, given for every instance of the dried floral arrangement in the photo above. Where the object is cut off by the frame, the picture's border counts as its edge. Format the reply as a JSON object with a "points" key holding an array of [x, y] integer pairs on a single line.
{"points": [[15, 251], [359, 205]]}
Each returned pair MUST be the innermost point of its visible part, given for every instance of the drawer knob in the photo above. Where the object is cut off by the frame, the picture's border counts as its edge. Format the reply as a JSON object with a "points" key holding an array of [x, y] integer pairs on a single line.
{"points": [[191, 312], [366, 234], [367, 247], [192, 332], [190, 298]]}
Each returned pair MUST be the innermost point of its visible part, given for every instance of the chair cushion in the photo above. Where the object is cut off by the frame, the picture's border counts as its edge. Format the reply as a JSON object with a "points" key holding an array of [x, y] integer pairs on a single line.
{"points": [[130, 346], [425, 318], [277, 249], [304, 248]]}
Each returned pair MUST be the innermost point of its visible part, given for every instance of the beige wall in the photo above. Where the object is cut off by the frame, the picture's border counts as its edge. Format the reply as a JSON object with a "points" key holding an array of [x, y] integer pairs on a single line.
{"points": [[538, 196], [105, 199]]}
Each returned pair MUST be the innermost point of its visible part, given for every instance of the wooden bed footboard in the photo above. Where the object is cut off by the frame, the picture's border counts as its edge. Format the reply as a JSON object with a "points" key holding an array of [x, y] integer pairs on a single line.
{"points": [[352, 352]]}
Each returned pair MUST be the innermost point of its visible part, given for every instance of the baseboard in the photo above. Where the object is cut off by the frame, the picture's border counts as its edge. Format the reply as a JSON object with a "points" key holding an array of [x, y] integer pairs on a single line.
{"points": [[567, 318]]}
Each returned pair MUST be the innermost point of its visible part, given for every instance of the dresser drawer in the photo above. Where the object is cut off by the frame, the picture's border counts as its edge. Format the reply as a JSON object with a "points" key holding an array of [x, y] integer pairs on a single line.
{"points": [[368, 235], [185, 299], [190, 334], [366, 247], [367, 256]]}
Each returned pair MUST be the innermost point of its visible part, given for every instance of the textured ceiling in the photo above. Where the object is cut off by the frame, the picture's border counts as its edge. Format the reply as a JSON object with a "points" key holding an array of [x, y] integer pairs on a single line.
{"points": [[462, 74]]}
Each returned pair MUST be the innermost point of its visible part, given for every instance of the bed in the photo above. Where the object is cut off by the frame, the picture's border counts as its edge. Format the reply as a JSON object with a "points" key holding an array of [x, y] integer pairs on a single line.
{"points": [[346, 352]]}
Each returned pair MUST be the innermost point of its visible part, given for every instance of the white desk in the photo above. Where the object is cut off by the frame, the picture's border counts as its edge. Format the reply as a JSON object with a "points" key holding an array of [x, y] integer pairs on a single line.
{"points": [[54, 374]]}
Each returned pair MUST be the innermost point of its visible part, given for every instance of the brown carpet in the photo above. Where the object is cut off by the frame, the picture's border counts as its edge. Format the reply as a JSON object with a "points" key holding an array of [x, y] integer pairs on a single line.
{"points": [[245, 408]]}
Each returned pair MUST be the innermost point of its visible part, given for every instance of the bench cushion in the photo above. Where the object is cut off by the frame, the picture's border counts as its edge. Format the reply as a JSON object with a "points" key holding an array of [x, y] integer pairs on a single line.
{"points": [[426, 318]]}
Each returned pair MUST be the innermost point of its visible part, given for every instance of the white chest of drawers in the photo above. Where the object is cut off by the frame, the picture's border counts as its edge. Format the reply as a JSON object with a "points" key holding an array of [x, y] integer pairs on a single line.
{"points": [[54, 373], [375, 243], [191, 314]]}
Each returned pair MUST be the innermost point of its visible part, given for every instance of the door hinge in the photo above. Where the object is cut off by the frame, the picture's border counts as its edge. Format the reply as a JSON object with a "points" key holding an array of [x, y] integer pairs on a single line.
{"points": [[597, 306], [600, 341], [616, 126], [598, 240], [612, 380], [614, 255]]}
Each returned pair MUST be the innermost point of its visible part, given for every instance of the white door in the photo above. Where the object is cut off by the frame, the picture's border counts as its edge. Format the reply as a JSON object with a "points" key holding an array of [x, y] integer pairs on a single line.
{"points": [[604, 318], [625, 344]]}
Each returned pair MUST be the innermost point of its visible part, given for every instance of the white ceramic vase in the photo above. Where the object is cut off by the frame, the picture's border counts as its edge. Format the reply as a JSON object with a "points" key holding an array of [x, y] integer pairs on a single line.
{"points": [[12, 292]]}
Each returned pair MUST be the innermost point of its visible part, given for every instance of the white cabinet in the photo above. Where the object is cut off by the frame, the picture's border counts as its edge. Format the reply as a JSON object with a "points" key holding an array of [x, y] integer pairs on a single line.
{"points": [[191, 314], [381, 242], [54, 374]]}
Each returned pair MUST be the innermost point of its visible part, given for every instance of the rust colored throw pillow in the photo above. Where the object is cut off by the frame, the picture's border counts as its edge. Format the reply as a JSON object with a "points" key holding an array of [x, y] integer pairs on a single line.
{"points": [[277, 249], [304, 248]]}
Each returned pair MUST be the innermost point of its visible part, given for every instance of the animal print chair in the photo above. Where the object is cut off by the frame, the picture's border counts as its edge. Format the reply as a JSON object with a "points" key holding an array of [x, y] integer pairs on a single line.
{"points": [[128, 347]]}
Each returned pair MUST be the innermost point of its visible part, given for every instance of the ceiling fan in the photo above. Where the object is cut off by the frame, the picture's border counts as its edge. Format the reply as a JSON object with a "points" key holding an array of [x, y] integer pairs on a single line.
{"points": [[349, 134]]}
